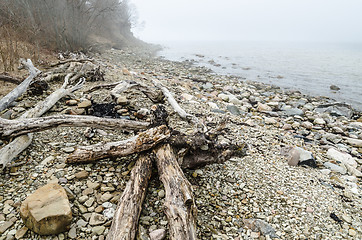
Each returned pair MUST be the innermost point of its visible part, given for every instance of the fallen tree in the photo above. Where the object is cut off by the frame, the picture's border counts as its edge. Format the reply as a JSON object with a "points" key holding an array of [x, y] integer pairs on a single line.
{"points": [[14, 128], [9, 79]]}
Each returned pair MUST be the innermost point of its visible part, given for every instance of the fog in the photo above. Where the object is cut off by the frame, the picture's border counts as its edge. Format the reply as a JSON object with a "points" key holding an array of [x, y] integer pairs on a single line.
{"points": [[260, 20]]}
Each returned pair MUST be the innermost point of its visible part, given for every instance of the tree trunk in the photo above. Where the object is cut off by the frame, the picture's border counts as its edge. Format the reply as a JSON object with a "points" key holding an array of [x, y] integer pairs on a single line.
{"points": [[141, 142], [14, 128], [179, 202], [125, 220], [21, 88]]}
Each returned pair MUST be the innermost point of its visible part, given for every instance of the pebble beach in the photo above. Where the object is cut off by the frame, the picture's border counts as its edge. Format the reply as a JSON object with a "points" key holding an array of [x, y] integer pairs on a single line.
{"points": [[300, 178]]}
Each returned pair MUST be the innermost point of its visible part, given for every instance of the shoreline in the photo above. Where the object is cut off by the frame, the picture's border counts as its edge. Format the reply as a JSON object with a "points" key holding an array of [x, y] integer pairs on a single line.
{"points": [[233, 64], [295, 201]]}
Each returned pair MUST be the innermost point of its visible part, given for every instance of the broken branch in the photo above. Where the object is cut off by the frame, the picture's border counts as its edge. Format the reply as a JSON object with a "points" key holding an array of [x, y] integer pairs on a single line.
{"points": [[141, 142]]}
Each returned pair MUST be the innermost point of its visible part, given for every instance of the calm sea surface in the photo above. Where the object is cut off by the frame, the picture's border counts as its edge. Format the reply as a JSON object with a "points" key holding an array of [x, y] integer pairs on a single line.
{"points": [[309, 67]]}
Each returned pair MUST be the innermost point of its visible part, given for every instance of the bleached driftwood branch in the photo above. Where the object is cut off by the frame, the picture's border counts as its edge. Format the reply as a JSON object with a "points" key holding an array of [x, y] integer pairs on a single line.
{"points": [[125, 220], [19, 144], [141, 142], [22, 87], [180, 207], [14, 128], [181, 112]]}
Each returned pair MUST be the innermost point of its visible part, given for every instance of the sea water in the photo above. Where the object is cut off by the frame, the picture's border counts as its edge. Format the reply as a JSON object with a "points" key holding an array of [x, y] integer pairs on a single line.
{"points": [[308, 67]]}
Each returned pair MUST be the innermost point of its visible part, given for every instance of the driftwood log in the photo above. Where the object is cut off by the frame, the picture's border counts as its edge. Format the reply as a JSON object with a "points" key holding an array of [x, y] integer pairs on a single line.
{"points": [[19, 144], [22, 87], [139, 143], [125, 220], [179, 203], [14, 128], [9, 79]]}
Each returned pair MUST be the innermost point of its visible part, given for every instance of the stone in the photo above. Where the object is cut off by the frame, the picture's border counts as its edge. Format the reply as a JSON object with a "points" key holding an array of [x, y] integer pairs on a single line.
{"points": [[293, 112], [89, 202], [5, 225], [85, 104], [82, 174], [354, 142], [71, 102], [158, 234], [263, 107], [68, 149], [21, 232], [233, 109], [341, 157], [335, 168], [334, 88], [96, 219], [307, 125], [299, 156], [161, 193], [122, 100], [109, 213], [352, 232], [72, 233], [319, 121], [47, 211], [187, 97], [346, 218], [81, 223], [270, 121], [105, 197], [224, 97], [98, 230]]}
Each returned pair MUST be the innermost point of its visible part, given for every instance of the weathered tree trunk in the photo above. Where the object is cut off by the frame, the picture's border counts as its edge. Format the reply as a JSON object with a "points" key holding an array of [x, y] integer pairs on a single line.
{"points": [[141, 142], [125, 220], [19, 144], [21, 88], [179, 202], [14, 128], [9, 79], [70, 61]]}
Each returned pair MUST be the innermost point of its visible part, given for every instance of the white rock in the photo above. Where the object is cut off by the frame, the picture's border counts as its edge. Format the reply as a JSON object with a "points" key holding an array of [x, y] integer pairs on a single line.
{"points": [[213, 105], [344, 158], [319, 121], [354, 142], [158, 234]]}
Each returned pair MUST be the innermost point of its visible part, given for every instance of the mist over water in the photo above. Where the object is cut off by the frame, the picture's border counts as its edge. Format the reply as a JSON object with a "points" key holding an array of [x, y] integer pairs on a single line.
{"points": [[309, 67]]}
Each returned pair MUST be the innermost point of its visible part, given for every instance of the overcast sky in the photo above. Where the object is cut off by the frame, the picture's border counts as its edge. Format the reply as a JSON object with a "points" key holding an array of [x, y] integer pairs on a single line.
{"points": [[284, 20]]}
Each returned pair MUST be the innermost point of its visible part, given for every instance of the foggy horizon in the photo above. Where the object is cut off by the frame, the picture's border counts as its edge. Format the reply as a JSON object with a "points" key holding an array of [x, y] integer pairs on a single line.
{"points": [[246, 20]]}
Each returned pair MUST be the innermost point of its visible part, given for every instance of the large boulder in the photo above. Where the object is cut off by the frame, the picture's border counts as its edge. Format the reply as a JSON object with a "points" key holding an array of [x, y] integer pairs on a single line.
{"points": [[47, 211]]}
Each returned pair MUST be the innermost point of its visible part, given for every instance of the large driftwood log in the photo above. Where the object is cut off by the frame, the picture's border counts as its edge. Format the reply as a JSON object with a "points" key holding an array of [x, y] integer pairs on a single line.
{"points": [[9, 79], [141, 142], [14, 128], [70, 61], [19, 144], [21, 88], [125, 220], [179, 203]]}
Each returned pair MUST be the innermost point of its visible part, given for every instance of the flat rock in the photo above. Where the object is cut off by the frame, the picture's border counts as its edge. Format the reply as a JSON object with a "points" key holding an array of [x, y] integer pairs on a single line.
{"points": [[47, 211], [335, 167], [341, 157], [82, 174], [5, 225], [293, 112], [263, 107], [96, 219], [85, 104], [354, 142]]}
